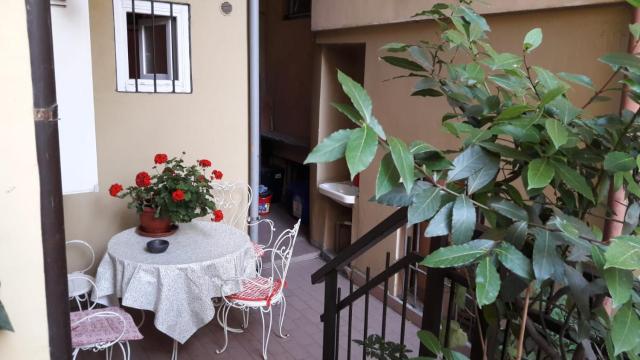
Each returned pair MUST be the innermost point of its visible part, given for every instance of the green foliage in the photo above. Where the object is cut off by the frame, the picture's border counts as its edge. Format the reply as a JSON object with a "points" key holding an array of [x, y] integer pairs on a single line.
{"points": [[533, 164]]}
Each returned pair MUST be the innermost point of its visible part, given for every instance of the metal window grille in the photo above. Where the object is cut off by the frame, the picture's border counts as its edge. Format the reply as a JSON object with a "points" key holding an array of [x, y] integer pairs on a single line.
{"points": [[152, 46]]}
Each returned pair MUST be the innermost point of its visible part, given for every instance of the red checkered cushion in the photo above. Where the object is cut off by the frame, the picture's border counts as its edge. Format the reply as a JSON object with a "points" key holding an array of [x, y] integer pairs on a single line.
{"points": [[100, 330], [257, 289], [259, 249]]}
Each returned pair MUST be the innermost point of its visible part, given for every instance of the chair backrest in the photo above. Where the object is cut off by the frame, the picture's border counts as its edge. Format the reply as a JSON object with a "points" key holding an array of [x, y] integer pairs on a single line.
{"points": [[81, 243], [282, 252], [90, 304], [234, 200]]}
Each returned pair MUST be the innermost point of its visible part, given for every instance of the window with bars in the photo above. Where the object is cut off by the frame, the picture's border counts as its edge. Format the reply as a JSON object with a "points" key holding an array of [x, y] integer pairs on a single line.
{"points": [[152, 46]]}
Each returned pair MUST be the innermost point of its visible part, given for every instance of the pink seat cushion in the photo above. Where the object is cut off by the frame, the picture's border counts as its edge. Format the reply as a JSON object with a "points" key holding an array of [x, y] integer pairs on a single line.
{"points": [[259, 249], [101, 329], [257, 289]]}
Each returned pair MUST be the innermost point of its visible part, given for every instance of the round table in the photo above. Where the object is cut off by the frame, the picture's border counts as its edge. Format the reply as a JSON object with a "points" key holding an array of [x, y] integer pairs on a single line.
{"points": [[204, 260]]}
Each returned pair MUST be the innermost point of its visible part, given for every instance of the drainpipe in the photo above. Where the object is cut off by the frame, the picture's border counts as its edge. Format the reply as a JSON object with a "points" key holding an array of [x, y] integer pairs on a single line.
{"points": [[617, 199], [45, 112], [254, 111]]}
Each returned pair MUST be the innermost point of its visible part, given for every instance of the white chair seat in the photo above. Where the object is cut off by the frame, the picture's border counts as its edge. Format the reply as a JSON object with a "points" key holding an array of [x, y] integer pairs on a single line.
{"points": [[78, 284]]}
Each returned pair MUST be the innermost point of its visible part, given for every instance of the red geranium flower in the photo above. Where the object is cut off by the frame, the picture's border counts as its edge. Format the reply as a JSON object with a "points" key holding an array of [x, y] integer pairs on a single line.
{"points": [[115, 189], [217, 174], [143, 179], [204, 163], [160, 158], [201, 178], [178, 195], [217, 216]]}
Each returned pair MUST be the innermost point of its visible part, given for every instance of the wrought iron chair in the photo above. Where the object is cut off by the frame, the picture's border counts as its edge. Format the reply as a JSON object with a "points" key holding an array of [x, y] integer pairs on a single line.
{"points": [[79, 283], [101, 329], [263, 292], [234, 200]]}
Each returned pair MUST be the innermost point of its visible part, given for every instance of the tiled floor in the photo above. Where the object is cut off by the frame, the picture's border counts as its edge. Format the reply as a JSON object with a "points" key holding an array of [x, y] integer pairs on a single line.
{"points": [[302, 321]]}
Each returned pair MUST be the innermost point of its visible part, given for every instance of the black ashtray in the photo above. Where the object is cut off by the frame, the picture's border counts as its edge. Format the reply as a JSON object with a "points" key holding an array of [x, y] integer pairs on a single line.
{"points": [[157, 246]]}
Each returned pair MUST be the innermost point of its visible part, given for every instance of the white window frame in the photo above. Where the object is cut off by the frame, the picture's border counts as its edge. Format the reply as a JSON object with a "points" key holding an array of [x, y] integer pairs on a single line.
{"points": [[183, 50]]}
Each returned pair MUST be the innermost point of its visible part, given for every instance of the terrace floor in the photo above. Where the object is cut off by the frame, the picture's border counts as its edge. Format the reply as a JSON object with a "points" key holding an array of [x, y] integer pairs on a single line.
{"points": [[302, 322]]}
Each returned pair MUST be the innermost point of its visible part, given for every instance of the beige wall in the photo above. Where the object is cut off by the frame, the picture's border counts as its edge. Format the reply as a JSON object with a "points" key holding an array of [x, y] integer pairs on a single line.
{"points": [[573, 40], [338, 14], [212, 122], [21, 266]]}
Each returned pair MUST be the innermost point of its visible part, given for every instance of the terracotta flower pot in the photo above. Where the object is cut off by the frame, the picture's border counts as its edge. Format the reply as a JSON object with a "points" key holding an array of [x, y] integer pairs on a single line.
{"points": [[153, 225]]}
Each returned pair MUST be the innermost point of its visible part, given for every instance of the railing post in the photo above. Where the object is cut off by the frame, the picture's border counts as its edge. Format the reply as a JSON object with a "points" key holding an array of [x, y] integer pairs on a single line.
{"points": [[329, 316], [433, 296]]}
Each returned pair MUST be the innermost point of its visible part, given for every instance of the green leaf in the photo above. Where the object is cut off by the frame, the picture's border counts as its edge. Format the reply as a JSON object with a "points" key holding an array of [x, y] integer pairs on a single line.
{"points": [[375, 125], [504, 151], [403, 159], [552, 94], [635, 3], [425, 204], [547, 78], [632, 185], [557, 132], [574, 180], [403, 63], [577, 79], [388, 176], [621, 59], [361, 149], [430, 341], [504, 61], [546, 261], [509, 209], [597, 255], [619, 282], [463, 220], [420, 57], [564, 109], [395, 47], [358, 95], [540, 173], [516, 234], [484, 176], [623, 253], [625, 328], [487, 282], [619, 161], [532, 40], [419, 147], [513, 111], [332, 148], [440, 224], [513, 260], [350, 112], [468, 162], [458, 255], [5, 323]]}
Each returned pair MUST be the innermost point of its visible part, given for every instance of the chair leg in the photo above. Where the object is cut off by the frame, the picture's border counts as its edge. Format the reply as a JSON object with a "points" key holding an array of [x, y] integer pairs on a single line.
{"points": [[265, 334], [225, 310], [283, 309], [174, 352], [75, 353]]}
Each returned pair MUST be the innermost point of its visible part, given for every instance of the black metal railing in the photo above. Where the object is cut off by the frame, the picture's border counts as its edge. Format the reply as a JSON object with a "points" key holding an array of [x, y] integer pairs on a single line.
{"points": [[437, 284]]}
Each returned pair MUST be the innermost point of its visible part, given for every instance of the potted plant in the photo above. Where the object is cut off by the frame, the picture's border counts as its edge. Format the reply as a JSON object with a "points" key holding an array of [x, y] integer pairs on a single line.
{"points": [[539, 170], [174, 193]]}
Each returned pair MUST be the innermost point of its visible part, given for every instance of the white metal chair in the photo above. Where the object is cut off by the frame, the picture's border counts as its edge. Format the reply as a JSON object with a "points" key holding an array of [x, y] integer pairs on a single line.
{"points": [[101, 329], [234, 200], [262, 292], [79, 283]]}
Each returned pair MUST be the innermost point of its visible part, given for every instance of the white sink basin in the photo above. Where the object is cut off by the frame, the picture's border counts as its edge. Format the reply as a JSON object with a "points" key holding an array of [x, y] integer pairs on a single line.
{"points": [[342, 192]]}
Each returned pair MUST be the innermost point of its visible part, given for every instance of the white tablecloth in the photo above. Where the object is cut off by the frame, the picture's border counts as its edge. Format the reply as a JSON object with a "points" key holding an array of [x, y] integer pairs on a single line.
{"points": [[177, 285]]}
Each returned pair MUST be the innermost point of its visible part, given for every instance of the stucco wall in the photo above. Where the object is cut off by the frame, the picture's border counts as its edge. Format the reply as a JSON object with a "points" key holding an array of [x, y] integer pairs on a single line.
{"points": [[337, 14], [212, 122], [21, 265], [573, 40]]}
